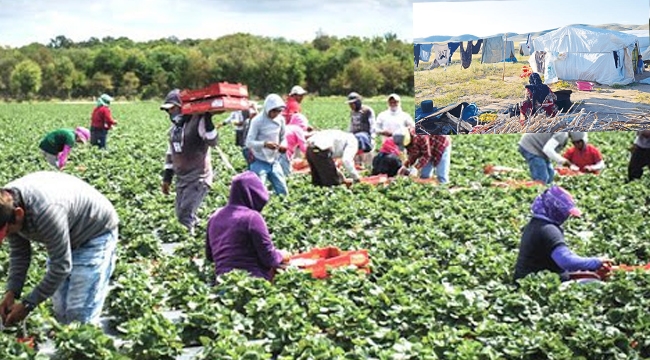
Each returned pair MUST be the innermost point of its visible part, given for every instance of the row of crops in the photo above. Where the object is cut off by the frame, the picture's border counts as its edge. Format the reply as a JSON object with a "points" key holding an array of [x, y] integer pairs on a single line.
{"points": [[442, 262]]}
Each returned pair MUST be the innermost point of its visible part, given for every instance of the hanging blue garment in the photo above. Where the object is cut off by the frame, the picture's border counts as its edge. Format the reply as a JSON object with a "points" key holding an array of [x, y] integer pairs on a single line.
{"points": [[416, 54], [452, 47], [425, 52], [477, 47]]}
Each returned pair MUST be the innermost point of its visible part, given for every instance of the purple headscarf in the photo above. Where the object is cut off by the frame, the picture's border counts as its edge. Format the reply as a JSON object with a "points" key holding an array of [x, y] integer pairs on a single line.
{"points": [[555, 205]]}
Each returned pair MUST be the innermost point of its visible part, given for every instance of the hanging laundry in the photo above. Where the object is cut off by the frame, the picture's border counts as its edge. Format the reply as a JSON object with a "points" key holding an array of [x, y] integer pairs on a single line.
{"points": [[425, 52], [442, 54], [477, 47], [540, 61], [496, 50], [416, 54], [452, 48], [466, 55]]}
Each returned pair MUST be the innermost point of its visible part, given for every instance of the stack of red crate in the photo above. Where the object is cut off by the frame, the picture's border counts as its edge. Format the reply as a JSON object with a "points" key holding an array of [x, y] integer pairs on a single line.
{"points": [[326, 258], [216, 97]]}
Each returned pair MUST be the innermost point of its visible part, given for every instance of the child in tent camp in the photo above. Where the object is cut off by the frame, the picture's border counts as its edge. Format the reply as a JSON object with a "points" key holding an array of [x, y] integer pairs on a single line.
{"points": [[585, 157], [56, 145], [539, 99], [639, 65]]}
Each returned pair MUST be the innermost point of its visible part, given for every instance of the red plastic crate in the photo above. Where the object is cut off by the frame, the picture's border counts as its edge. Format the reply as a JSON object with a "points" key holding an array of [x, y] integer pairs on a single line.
{"points": [[215, 90], [221, 103], [332, 257]]}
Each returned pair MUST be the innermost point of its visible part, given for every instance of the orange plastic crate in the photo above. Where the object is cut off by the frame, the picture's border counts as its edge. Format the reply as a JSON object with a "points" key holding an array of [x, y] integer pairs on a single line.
{"points": [[215, 90], [222, 103], [332, 257]]}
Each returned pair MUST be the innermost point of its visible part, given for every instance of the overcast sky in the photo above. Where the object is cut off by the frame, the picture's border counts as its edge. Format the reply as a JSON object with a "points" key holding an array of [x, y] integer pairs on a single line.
{"points": [[26, 21], [485, 18]]}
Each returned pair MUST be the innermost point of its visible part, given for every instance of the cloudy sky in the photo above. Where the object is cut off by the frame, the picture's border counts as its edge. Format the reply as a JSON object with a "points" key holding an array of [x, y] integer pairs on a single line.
{"points": [[485, 18], [26, 21]]}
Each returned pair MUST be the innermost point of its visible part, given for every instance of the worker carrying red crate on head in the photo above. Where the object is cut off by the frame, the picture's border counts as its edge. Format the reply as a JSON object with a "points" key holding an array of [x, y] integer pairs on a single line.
{"points": [[294, 99], [584, 157], [543, 246], [188, 157], [325, 146], [237, 235]]}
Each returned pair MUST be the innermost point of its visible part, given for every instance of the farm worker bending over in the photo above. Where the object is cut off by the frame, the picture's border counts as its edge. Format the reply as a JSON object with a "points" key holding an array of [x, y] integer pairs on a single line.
{"points": [[56, 145], [427, 153], [327, 145], [293, 102], [362, 120], [188, 157], [264, 139], [584, 157], [101, 121], [296, 131], [237, 234], [77, 226], [241, 121], [539, 98], [542, 245], [539, 149], [388, 160], [640, 157], [394, 122]]}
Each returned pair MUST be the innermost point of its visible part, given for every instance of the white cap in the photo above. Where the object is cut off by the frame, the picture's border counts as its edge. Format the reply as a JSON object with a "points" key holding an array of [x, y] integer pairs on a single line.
{"points": [[297, 90], [393, 96]]}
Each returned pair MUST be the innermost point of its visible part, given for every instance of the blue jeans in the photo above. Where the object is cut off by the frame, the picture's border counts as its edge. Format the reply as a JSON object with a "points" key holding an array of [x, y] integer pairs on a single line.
{"points": [[285, 164], [98, 137], [442, 169], [81, 296], [541, 168], [272, 171]]}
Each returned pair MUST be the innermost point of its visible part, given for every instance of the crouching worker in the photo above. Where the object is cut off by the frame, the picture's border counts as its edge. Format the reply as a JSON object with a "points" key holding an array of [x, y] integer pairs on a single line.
{"points": [[325, 146], [543, 246], [237, 236], [77, 226], [56, 145], [584, 157], [388, 160]]}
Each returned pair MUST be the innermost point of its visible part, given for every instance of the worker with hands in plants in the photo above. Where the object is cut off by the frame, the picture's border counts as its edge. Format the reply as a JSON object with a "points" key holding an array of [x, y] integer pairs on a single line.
{"points": [[101, 121], [325, 146], [56, 145], [543, 246], [585, 157], [265, 138], [427, 153], [188, 158], [539, 149], [237, 236], [640, 157], [77, 226], [295, 140]]}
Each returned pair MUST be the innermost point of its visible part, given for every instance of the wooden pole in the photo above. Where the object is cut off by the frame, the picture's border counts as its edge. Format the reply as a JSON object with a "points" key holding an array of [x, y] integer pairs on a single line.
{"points": [[503, 78]]}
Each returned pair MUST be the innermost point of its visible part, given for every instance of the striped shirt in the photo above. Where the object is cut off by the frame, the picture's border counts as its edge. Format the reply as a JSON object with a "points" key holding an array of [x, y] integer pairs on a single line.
{"points": [[62, 212]]}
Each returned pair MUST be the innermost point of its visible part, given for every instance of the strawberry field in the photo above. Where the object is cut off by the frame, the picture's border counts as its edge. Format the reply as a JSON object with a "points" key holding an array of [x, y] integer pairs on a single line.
{"points": [[441, 261]]}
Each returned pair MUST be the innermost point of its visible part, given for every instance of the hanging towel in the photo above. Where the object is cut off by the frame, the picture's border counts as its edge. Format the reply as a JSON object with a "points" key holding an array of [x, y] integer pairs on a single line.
{"points": [[539, 60], [477, 47], [425, 52], [466, 55], [453, 46]]}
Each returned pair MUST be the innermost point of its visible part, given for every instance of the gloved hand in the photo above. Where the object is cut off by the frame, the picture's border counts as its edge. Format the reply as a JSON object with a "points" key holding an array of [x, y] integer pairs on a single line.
{"points": [[589, 168], [574, 167]]}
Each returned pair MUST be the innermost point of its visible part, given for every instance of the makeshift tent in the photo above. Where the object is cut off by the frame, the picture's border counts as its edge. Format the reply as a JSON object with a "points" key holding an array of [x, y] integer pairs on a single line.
{"points": [[524, 50], [588, 54], [495, 50]]}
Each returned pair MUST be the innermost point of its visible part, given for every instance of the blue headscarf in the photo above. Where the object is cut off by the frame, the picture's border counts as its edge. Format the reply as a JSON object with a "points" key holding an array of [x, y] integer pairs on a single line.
{"points": [[539, 90]]}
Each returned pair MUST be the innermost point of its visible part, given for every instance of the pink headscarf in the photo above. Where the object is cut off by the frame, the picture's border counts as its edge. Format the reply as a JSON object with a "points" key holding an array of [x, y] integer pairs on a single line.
{"points": [[389, 147], [82, 133]]}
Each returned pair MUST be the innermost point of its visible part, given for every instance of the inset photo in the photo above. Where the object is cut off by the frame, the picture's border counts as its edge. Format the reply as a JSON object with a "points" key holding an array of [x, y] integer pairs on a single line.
{"points": [[504, 67]]}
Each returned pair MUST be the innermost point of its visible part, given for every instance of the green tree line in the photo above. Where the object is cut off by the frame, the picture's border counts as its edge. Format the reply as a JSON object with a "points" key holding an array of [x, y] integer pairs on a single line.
{"points": [[328, 65]]}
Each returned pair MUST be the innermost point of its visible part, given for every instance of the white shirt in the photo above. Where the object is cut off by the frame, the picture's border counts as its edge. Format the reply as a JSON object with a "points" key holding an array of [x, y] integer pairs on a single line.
{"points": [[344, 145], [396, 122]]}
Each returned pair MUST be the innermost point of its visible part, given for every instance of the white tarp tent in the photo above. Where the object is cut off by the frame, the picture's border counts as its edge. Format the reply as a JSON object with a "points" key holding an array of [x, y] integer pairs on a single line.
{"points": [[584, 53]]}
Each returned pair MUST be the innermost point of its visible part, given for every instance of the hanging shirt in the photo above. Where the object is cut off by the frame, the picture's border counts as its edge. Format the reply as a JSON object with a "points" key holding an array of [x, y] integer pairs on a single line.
{"points": [[466, 55], [425, 52], [442, 54], [452, 48], [477, 47]]}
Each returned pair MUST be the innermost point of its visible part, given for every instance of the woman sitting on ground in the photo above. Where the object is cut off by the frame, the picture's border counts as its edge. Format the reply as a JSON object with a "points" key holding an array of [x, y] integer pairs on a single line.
{"points": [[542, 244], [237, 234], [539, 99]]}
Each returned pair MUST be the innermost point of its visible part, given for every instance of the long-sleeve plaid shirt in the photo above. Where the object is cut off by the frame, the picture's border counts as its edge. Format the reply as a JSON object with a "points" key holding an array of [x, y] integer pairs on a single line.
{"points": [[425, 148]]}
